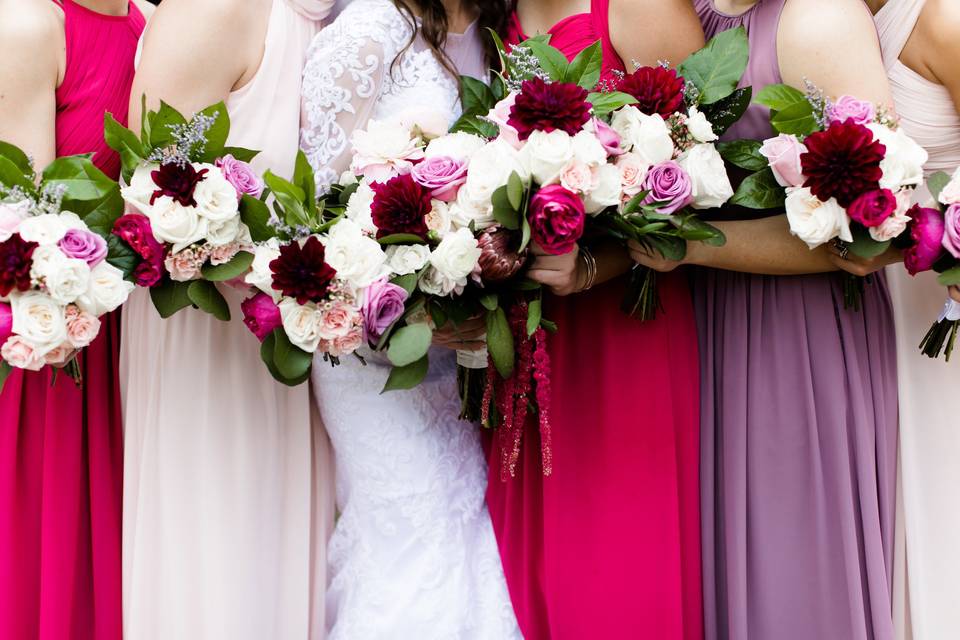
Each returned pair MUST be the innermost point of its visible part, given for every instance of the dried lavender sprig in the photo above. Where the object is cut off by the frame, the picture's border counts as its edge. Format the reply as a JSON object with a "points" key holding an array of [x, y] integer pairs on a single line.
{"points": [[523, 65], [189, 140], [819, 101]]}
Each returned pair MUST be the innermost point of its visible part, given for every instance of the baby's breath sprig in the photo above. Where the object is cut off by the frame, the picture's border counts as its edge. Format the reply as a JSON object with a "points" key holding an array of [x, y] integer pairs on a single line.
{"points": [[189, 140], [819, 101], [523, 65], [50, 200]]}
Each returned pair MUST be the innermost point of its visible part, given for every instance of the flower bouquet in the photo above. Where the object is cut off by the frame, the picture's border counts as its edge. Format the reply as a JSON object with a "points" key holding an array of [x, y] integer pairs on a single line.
{"points": [[196, 203], [58, 269], [843, 170]]}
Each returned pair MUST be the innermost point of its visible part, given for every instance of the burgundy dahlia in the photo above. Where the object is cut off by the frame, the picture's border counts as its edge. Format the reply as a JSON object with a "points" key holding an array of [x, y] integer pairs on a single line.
{"points": [[177, 181], [302, 272], [658, 90], [548, 106], [400, 205], [15, 261], [842, 162]]}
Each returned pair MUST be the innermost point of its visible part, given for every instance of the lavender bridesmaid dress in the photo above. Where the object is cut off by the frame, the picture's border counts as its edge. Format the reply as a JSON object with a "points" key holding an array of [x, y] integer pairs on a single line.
{"points": [[799, 433]]}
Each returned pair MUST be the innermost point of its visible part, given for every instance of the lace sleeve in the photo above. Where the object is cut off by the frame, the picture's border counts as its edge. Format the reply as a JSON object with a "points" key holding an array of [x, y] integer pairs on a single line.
{"points": [[342, 79]]}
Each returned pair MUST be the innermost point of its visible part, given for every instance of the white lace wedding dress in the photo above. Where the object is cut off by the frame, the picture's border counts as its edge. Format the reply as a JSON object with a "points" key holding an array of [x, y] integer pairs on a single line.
{"points": [[413, 555]]}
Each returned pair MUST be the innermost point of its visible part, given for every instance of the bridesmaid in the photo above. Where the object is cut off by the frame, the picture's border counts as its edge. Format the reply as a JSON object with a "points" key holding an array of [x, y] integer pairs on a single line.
{"points": [[799, 399], [62, 64], [228, 494], [607, 546]]}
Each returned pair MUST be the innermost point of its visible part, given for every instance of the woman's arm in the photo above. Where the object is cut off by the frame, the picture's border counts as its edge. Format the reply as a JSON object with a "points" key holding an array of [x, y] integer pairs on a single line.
{"points": [[31, 57]]}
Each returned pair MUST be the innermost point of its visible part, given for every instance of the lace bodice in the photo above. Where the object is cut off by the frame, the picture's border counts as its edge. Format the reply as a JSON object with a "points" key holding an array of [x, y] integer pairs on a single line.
{"points": [[360, 67]]}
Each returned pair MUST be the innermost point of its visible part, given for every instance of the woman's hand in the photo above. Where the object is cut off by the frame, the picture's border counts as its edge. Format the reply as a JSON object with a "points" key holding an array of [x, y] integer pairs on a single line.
{"points": [[562, 275], [467, 336], [846, 261], [651, 258]]}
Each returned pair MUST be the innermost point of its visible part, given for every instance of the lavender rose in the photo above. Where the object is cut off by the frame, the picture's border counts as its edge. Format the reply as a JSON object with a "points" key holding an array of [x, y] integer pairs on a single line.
{"points": [[849, 108], [783, 153], [556, 219], [84, 245], [383, 305], [668, 182], [926, 231], [443, 175], [951, 236], [261, 315], [241, 175], [6, 322]]}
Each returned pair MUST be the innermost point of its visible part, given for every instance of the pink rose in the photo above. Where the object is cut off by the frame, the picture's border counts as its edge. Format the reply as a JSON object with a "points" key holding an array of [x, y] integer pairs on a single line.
{"points": [[345, 345], [60, 356], [82, 328], [499, 116], [633, 171], [556, 219], [783, 153], [951, 236], [926, 231], [83, 245], [849, 108], [668, 182], [11, 215], [224, 254], [443, 175], [608, 137], [261, 315], [338, 320], [6, 322], [19, 353], [382, 306], [185, 265], [241, 175], [577, 177], [873, 208]]}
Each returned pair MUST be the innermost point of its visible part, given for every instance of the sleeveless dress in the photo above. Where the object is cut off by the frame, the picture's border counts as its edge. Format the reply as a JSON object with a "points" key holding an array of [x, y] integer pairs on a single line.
{"points": [[228, 489], [413, 554], [799, 432], [608, 546], [929, 438], [61, 459]]}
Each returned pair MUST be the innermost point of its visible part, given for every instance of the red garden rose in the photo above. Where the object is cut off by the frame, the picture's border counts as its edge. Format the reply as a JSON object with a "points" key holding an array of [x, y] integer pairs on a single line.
{"points": [[16, 258], [873, 207], [178, 181], [842, 162], [400, 205], [302, 272], [926, 230], [135, 230], [548, 106], [556, 219], [658, 90], [261, 315]]}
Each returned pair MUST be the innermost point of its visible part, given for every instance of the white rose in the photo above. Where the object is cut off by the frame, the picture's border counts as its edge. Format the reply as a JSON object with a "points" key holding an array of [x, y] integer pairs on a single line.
{"points": [[384, 149], [107, 290], [699, 127], [646, 135], [431, 122], [172, 222], [434, 283], [903, 161], [260, 275], [708, 176], [141, 188], [47, 229], [439, 219], [813, 221], [456, 256], [301, 323], [588, 150], [633, 171], [216, 197], [459, 145], [222, 232], [547, 154], [63, 278], [38, 319], [490, 169], [607, 192], [358, 208], [358, 259], [407, 259], [21, 354]]}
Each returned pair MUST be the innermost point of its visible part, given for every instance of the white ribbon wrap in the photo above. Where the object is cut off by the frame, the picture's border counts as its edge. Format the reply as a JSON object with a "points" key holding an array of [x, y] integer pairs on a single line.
{"points": [[472, 359], [951, 311]]}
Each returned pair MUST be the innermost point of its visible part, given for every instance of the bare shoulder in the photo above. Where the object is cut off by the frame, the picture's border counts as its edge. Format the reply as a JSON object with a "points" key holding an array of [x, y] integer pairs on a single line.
{"points": [[816, 24], [145, 8], [940, 23], [221, 20], [652, 30], [31, 23]]}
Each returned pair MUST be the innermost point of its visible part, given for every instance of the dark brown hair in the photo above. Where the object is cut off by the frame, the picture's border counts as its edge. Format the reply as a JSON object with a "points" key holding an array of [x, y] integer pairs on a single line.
{"points": [[491, 14]]}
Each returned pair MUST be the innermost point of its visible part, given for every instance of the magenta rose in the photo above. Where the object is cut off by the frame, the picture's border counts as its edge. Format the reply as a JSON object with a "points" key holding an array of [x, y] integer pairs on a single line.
{"points": [[261, 315], [849, 108], [557, 217], [6, 322], [668, 182], [383, 305], [84, 245], [149, 273], [951, 236], [608, 137], [135, 230], [926, 231], [241, 175], [873, 208], [442, 175]]}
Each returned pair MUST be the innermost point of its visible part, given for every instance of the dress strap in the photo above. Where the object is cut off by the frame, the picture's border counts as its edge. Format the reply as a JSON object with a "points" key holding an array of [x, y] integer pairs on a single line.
{"points": [[895, 22], [600, 15]]}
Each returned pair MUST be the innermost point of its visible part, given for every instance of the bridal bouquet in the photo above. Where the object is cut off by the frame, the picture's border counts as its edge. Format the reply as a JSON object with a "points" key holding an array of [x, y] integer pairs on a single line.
{"points": [[195, 206], [57, 271], [843, 170]]}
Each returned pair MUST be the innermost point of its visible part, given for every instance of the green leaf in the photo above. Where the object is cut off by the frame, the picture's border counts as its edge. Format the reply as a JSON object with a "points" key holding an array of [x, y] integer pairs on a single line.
{"points": [[241, 154], [585, 68], [170, 297], [534, 316], [292, 362], [515, 191], [401, 238], [160, 123], [408, 282], [760, 191], [5, 371], [797, 119], [207, 298], [11, 175], [120, 255], [779, 96], [304, 178], [936, 183], [498, 87], [15, 155], [217, 134], [500, 342], [607, 102], [950, 277], [864, 245], [691, 227], [470, 123], [237, 266], [503, 210], [670, 247], [524, 233], [290, 198], [724, 113], [256, 215], [409, 344], [490, 301], [407, 377], [551, 60], [716, 69], [123, 141], [744, 154], [476, 97], [501, 48], [267, 349]]}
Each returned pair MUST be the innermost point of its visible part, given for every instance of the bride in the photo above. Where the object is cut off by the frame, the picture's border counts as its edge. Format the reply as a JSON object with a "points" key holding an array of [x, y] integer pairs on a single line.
{"points": [[413, 554]]}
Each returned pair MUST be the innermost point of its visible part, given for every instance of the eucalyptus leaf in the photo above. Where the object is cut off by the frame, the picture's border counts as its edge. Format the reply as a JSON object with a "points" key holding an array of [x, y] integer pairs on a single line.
{"points": [[950, 277], [409, 344], [407, 377], [490, 301], [205, 296], [936, 183], [500, 342], [235, 268], [401, 238], [503, 210], [864, 245], [267, 349], [170, 297], [534, 316], [292, 362], [515, 191]]}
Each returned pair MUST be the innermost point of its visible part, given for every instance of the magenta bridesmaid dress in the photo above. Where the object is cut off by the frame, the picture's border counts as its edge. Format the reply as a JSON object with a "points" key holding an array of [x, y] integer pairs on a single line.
{"points": [[608, 546], [61, 455]]}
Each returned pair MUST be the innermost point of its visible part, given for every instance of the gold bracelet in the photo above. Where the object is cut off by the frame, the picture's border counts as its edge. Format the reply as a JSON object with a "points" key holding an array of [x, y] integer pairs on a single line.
{"points": [[591, 265]]}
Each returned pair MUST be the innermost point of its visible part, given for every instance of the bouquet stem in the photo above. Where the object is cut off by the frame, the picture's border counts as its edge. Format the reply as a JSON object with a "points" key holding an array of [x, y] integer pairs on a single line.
{"points": [[853, 287], [642, 300], [940, 339], [472, 383]]}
